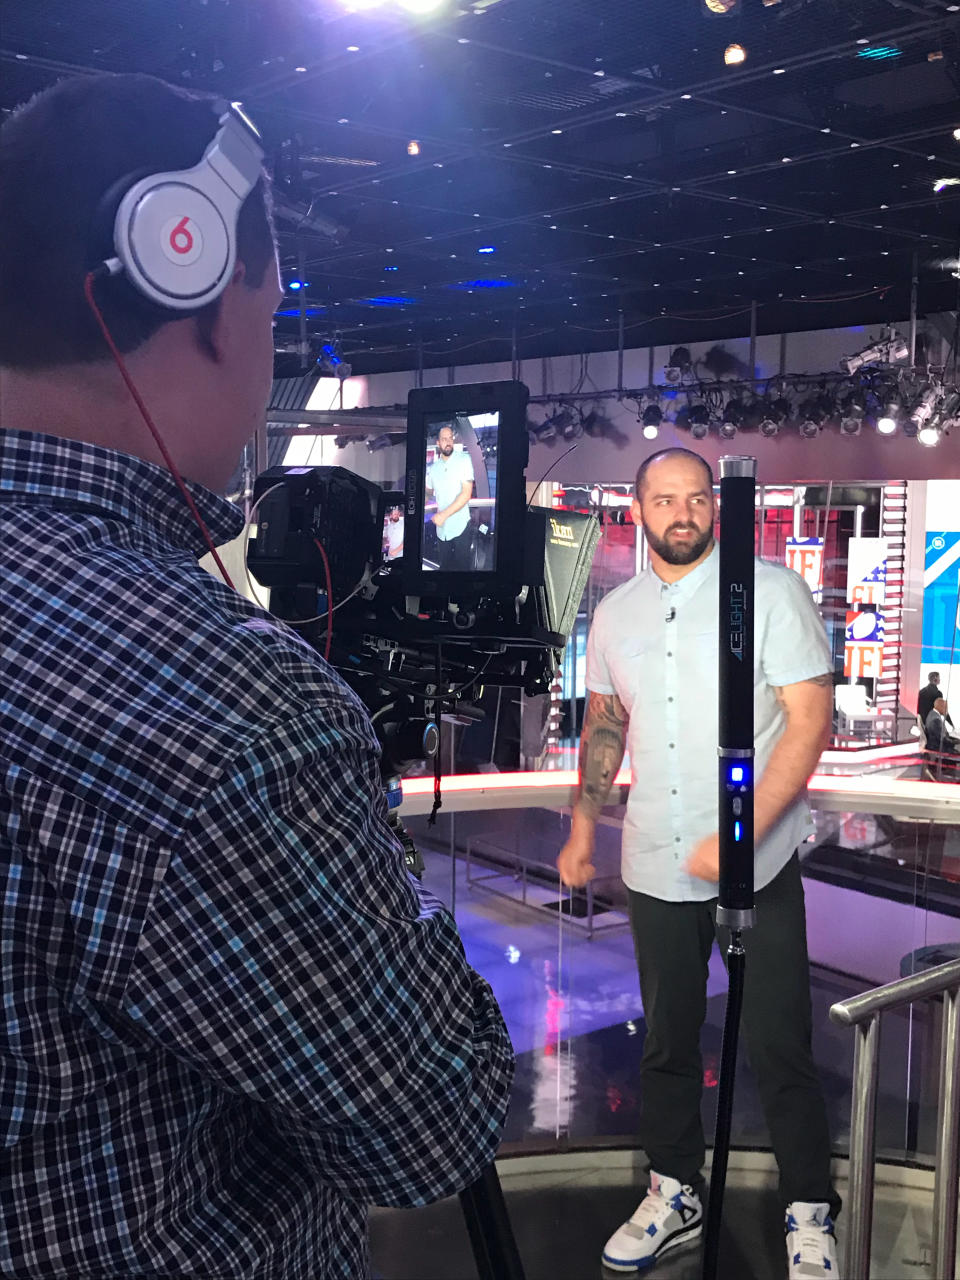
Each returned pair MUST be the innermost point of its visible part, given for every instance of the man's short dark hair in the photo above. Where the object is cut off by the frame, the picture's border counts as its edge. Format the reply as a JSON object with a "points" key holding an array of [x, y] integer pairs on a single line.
{"points": [[933, 677], [60, 154], [662, 456]]}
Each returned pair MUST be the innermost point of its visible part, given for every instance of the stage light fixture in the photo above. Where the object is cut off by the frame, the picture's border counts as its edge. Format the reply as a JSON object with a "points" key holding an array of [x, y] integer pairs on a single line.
{"points": [[769, 428], [941, 183], [929, 435], [887, 421], [852, 409], [413, 147], [926, 407], [811, 418], [886, 350], [699, 419], [732, 418], [651, 419], [734, 54], [720, 6]]}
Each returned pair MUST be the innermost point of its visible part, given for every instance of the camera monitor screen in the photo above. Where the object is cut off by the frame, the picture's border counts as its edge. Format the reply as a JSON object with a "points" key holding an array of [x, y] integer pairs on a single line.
{"points": [[461, 454]]}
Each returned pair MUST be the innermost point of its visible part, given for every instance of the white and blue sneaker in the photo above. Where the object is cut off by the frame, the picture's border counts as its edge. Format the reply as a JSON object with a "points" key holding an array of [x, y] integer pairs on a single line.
{"points": [[668, 1216], [811, 1244]]}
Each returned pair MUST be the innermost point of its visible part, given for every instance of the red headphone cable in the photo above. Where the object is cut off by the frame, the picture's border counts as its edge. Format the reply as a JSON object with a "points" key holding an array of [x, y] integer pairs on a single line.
{"points": [[88, 284]]}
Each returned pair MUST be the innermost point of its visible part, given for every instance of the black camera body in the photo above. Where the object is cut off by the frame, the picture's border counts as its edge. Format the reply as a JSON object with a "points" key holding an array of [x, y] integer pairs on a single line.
{"points": [[474, 588]]}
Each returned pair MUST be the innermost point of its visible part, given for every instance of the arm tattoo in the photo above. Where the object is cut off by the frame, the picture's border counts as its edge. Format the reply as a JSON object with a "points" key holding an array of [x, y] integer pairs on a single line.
{"points": [[602, 744]]}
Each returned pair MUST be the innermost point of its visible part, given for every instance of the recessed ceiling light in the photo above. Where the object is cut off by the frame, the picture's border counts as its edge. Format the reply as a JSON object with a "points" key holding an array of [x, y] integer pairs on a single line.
{"points": [[784, 159], [824, 130], [731, 172], [686, 96], [299, 68], [508, 144], [599, 73], [779, 71], [854, 144], [353, 48], [462, 40], [343, 120], [621, 115]]}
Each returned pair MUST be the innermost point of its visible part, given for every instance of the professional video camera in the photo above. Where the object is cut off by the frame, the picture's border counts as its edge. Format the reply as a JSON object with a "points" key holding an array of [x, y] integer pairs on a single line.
{"points": [[420, 598]]}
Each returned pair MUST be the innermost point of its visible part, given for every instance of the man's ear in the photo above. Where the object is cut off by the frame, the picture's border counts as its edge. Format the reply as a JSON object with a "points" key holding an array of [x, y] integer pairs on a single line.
{"points": [[636, 515], [216, 323]]}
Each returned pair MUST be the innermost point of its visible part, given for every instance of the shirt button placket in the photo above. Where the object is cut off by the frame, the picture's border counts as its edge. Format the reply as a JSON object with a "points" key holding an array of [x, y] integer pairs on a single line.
{"points": [[671, 648]]}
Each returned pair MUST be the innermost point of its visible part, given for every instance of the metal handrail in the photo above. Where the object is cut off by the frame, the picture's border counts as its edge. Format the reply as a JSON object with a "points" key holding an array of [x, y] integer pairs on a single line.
{"points": [[863, 1012]]}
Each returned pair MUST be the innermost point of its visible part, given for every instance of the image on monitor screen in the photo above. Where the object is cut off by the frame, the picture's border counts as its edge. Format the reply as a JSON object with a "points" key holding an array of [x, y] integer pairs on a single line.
{"points": [[392, 540], [460, 479]]}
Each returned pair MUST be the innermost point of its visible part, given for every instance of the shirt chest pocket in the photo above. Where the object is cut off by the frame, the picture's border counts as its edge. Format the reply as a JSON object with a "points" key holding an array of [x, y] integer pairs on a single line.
{"points": [[636, 668]]}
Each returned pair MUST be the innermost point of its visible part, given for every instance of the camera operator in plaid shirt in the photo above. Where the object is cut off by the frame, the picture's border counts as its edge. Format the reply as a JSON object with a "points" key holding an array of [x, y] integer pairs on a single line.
{"points": [[230, 1019]]}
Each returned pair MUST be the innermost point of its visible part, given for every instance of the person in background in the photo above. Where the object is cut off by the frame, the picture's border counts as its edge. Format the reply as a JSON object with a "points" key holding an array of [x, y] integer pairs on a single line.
{"points": [[231, 1020], [450, 477], [393, 542], [928, 695], [942, 741], [652, 674]]}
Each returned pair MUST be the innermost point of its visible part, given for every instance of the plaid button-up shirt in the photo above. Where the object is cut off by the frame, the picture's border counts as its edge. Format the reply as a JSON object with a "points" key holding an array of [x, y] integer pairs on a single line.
{"points": [[230, 1019]]}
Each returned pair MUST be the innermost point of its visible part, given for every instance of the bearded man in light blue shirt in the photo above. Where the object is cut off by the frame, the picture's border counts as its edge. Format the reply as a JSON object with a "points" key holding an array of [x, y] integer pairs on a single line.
{"points": [[652, 672], [450, 477]]}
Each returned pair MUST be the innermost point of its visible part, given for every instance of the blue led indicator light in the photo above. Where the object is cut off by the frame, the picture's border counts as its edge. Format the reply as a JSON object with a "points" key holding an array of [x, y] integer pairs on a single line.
{"points": [[737, 831], [736, 773]]}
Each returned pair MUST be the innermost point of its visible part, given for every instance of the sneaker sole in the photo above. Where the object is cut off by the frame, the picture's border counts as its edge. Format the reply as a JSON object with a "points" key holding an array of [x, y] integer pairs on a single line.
{"points": [[685, 1236]]}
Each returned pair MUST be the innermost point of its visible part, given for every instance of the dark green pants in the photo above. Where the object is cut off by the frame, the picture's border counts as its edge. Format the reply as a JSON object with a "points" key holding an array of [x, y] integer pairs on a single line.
{"points": [[673, 942]]}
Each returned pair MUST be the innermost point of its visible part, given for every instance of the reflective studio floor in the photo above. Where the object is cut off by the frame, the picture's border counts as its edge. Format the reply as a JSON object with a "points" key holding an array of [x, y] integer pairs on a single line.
{"points": [[574, 1012]]}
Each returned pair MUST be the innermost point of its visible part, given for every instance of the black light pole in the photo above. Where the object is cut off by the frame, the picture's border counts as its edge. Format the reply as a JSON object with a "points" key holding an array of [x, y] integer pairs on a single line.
{"points": [[735, 910]]}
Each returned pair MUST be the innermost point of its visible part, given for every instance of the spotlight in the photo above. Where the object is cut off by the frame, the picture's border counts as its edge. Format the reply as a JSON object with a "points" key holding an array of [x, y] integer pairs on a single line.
{"points": [[699, 419], [949, 410], [886, 350], [929, 436], [734, 54], [887, 422], [413, 147], [925, 407], [652, 417], [299, 284], [678, 364], [720, 6], [940, 183], [732, 418], [563, 422], [811, 418], [775, 414], [852, 411]]}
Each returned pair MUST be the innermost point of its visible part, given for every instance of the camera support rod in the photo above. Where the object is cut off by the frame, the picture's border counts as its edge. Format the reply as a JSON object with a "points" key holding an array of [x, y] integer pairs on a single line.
{"points": [[735, 909]]}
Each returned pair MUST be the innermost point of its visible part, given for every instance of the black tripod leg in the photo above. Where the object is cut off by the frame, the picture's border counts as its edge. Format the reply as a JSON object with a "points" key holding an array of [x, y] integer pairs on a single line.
{"points": [[725, 1090], [488, 1225]]}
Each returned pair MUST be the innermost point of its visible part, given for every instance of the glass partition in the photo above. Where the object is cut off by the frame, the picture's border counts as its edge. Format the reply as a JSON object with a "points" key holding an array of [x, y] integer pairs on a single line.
{"points": [[883, 894]]}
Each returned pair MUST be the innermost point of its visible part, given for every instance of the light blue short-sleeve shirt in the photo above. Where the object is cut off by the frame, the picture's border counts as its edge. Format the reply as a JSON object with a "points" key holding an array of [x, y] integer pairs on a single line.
{"points": [[446, 477], [655, 645]]}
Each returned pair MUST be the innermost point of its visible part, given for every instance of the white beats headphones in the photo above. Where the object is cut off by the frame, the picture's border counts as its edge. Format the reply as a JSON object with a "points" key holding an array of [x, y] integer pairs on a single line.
{"points": [[175, 234]]}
